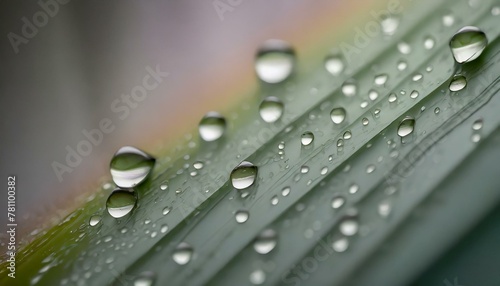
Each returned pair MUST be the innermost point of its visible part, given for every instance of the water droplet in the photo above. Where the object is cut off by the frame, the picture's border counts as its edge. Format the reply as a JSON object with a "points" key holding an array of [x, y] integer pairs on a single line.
{"points": [[257, 277], [182, 253], [392, 97], [448, 20], [198, 165], [475, 138], [94, 220], [212, 126], [347, 135], [275, 200], [130, 166], [477, 125], [241, 216], [402, 65], [281, 146], [324, 170], [495, 11], [266, 241], [417, 77], [389, 24], [306, 138], [340, 245], [340, 142], [164, 228], [163, 187], [414, 94], [372, 94], [365, 121], [349, 88], [380, 79], [275, 61], [146, 278], [121, 202], [458, 82], [338, 202], [338, 115], [304, 169], [404, 48], [370, 169], [467, 44], [429, 43], [334, 64], [353, 189], [271, 109], [349, 227], [243, 176], [286, 191], [166, 210], [437, 110], [406, 126], [364, 104], [384, 208]]}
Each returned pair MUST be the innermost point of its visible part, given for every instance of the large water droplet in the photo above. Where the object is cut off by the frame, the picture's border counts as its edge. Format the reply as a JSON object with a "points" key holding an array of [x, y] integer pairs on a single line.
{"points": [[146, 278], [212, 126], [306, 138], [130, 166], [275, 61], [243, 176], [182, 253], [457, 83], [467, 44], [121, 202], [338, 115], [241, 216], [271, 109], [334, 64], [406, 126], [266, 241]]}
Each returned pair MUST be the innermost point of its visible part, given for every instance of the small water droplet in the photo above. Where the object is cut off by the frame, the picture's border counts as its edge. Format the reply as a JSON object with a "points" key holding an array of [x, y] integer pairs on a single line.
{"points": [[265, 241], [349, 227], [281, 146], [380, 79], [286, 191], [121, 202], [353, 189], [164, 228], [94, 220], [166, 210], [334, 64], [389, 24], [275, 200], [402, 65], [338, 115], [338, 202], [306, 138], [448, 20], [392, 97], [324, 170], [417, 77], [304, 169], [437, 110], [257, 277], [198, 165], [271, 109], [429, 43], [372, 94], [495, 11], [241, 216], [458, 82], [477, 125], [406, 126], [212, 126], [370, 169], [467, 44], [384, 208], [275, 61], [146, 278], [182, 253], [163, 187], [414, 94], [365, 121], [364, 104], [349, 88], [340, 245], [404, 48], [475, 138], [243, 176], [347, 135], [130, 166]]}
